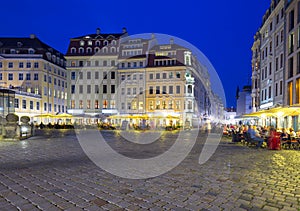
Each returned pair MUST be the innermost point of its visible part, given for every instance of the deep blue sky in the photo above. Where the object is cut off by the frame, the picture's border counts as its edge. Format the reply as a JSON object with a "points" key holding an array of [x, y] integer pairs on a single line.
{"points": [[222, 30]]}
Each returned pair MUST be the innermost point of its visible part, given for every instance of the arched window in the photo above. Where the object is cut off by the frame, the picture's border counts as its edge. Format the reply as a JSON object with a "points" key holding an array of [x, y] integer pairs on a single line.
{"points": [[97, 49], [89, 50], [31, 51], [113, 42], [190, 89], [112, 49], [73, 50], [105, 42], [98, 43], [104, 50], [81, 50]]}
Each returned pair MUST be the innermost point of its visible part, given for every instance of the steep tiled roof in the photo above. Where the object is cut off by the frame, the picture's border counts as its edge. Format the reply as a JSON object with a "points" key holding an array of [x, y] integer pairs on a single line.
{"points": [[21, 45]]}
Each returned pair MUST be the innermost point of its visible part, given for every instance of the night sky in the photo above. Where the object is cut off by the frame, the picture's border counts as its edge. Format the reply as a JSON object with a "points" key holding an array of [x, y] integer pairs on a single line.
{"points": [[222, 30]]}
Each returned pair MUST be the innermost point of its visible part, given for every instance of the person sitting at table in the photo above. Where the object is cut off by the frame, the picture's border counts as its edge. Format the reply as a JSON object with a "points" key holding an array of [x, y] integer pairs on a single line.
{"points": [[298, 133], [292, 134], [284, 136], [254, 135], [273, 139]]}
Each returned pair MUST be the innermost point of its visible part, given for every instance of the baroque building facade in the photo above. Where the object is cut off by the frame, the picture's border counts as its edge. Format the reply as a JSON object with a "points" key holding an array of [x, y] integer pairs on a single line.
{"points": [[91, 64], [36, 73], [138, 80]]}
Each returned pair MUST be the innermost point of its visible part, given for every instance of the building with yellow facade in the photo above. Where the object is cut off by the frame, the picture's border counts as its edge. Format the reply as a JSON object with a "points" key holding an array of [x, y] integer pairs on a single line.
{"points": [[36, 72]]}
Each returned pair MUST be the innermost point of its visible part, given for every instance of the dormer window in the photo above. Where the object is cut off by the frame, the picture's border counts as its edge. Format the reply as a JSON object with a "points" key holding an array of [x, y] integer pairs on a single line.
{"points": [[81, 43], [187, 58], [48, 55], [53, 58], [90, 42], [114, 42], [73, 50], [89, 50], [19, 44], [12, 51], [81, 50], [105, 42], [98, 43], [31, 51]]}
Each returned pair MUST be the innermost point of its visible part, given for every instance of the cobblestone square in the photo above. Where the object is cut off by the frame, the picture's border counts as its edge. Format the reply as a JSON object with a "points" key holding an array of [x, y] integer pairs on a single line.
{"points": [[51, 172]]}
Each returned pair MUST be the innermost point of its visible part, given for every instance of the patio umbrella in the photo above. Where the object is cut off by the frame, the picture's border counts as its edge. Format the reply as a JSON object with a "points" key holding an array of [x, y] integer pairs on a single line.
{"points": [[44, 116], [63, 115]]}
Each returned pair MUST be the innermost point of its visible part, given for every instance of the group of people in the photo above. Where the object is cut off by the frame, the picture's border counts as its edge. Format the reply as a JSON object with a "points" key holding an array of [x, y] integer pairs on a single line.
{"points": [[273, 137]]}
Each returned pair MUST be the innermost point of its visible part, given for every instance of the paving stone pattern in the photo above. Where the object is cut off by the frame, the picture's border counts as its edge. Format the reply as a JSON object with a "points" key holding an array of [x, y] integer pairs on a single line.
{"points": [[51, 172]]}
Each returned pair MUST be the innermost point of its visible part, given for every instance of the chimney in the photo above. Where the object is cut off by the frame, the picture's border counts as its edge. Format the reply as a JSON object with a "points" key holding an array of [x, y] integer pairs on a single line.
{"points": [[171, 41], [98, 31], [32, 36], [124, 30]]}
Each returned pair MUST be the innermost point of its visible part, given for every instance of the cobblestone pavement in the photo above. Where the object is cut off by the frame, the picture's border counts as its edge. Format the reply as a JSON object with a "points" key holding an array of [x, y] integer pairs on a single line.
{"points": [[51, 172]]}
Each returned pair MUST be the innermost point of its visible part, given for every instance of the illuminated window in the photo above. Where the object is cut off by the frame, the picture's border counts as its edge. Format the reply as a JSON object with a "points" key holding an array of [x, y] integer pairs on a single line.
{"points": [[290, 93], [80, 104], [134, 105], [151, 105], [298, 91], [164, 104], [112, 104], [72, 103], [157, 104], [88, 104], [170, 104], [178, 104], [141, 105], [105, 104], [96, 104]]}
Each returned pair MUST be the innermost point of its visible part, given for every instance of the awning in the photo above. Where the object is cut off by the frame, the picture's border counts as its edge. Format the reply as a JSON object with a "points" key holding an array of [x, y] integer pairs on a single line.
{"points": [[276, 112]]}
